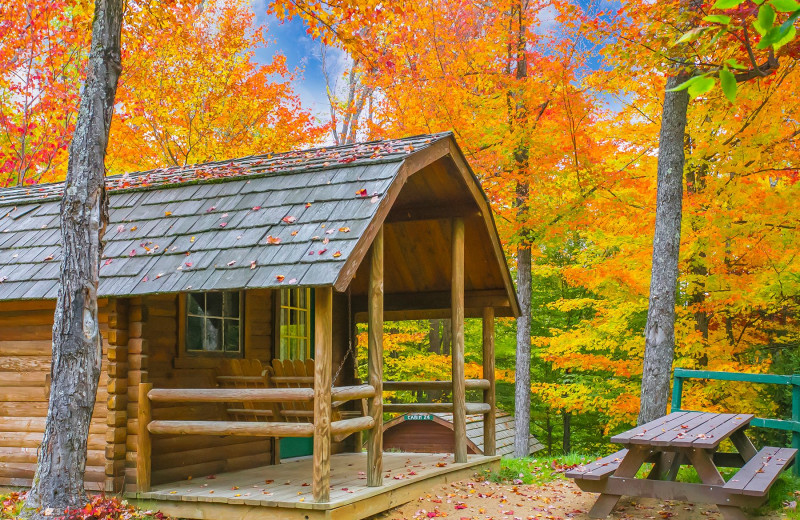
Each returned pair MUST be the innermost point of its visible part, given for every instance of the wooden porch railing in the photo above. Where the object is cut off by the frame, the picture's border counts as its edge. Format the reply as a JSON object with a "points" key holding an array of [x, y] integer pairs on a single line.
{"points": [[148, 427], [483, 408]]}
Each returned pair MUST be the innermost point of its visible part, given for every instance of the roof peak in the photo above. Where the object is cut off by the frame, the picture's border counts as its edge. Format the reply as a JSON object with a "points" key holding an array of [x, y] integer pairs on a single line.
{"points": [[282, 163]]}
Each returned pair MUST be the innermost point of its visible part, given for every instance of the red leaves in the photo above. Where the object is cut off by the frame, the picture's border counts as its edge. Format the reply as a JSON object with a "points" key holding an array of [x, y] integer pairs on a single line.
{"points": [[288, 219], [362, 192], [256, 208], [280, 277], [273, 240], [223, 224]]}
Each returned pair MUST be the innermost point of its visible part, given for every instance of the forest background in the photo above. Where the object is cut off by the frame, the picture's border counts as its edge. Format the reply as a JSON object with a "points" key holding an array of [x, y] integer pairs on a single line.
{"points": [[557, 106]]}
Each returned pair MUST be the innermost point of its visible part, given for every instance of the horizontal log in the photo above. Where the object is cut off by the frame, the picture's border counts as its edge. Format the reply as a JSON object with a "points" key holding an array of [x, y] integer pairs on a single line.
{"points": [[294, 380], [26, 332], [28, 305], [24, 363], [25, 348], [297, 413], [471, 408], [223, 395], [36, 425], [173, 474], [251, 412], [348, 426], [35, 379], [470, 384], [28, 455], [203, 454], [240, 379], [351, 393], [254, 429]]}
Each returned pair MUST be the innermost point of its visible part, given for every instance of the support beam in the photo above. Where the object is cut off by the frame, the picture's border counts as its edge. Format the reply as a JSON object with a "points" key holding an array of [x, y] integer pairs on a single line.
{"points": [[323, 364], [143, 443], [457, 324], [489, 421], [375, 362]]}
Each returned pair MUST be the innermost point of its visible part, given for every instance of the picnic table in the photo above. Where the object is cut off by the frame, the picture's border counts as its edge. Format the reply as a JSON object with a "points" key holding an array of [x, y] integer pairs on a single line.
{"points": [[685, 438]]}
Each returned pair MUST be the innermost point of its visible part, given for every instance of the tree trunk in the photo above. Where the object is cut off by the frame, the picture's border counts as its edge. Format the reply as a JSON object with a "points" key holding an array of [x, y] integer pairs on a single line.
{"points": [[77, 345], [660, 328], [522, 387], [567, 437], [434, 336]]}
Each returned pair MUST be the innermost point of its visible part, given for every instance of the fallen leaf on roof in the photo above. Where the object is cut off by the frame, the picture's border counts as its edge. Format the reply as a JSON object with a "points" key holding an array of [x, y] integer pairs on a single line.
{"points": [[256, 208], [273, 240], [344, 229], [231, 263], [253, 264], [294, 233], [120, 228], [189, 264], [159, 275], [167, 213], [289, 219], [314, 238], [322, 251], [191, 239], [134, 228], [374, 199], [223, 224], [212, 208], [308, 204], [3, 278], [280, 277], [337, 254], [145, 279], [362, 192], [48, 258], [311, 252], [224, 215], [108, 261]]}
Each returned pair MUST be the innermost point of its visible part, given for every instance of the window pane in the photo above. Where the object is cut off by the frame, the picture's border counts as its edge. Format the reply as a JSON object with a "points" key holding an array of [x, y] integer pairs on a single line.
{"points": [[213, 334], [231, 305], [214, 304], [194, 333], [196, 303], [232, 336]]}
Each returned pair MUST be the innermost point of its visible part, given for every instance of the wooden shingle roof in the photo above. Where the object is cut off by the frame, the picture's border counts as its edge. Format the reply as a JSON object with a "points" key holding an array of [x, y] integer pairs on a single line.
{"points": [[255, 222]]}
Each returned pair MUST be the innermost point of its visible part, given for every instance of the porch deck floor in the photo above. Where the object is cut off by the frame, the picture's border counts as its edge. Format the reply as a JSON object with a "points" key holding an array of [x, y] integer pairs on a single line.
{"points": [[260, 491]]}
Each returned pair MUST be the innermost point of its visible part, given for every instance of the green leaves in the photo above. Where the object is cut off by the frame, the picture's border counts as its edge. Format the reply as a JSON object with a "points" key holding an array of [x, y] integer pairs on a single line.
{"points": [[785, 6], [766, 17], [697, 85], [728, 83], [719, 18], [727, 4]]}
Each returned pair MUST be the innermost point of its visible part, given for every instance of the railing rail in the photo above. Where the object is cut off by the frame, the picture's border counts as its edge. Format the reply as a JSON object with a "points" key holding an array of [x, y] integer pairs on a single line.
{"points": [[481, 408], [793, 425]]}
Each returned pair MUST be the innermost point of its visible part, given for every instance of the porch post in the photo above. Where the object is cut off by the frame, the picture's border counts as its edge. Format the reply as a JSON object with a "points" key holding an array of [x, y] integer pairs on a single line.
{"points": [[457, 324], [375, 354], [489, 420], [323, 363]]}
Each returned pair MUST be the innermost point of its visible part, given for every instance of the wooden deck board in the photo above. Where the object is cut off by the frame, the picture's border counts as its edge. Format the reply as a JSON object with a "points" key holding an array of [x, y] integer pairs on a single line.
{"points": [[288, 486]]}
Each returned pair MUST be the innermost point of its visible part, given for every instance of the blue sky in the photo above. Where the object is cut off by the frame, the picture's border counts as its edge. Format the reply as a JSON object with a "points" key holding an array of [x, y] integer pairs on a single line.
{"points": [[302, 52]]}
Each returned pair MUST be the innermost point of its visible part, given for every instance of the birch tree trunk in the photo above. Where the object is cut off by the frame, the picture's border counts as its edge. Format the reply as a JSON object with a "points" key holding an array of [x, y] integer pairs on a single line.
{"points": [[660, 329], [77, 345]]}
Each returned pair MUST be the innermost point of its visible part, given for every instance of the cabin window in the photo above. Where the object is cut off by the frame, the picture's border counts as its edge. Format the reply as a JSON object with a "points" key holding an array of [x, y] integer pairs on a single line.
{"points": [[296, 325], [213, 322]]}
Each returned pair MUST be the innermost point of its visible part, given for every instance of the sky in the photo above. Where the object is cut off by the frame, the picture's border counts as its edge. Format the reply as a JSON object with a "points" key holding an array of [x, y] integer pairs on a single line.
{"points": [[302, 52]]}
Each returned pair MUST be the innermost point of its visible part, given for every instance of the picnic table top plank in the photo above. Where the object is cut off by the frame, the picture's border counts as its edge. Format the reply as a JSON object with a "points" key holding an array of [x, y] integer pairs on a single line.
{"points": [[658, 424], [696, 422], [702, 430], [723, 431]]}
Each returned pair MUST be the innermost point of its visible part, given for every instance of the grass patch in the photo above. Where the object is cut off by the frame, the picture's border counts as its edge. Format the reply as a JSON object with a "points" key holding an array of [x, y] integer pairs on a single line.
{"points": [[536, 470]]}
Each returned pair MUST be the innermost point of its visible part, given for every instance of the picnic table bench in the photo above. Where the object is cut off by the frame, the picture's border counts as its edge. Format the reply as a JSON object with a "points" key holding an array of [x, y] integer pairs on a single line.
{"points": [[685, 438]]}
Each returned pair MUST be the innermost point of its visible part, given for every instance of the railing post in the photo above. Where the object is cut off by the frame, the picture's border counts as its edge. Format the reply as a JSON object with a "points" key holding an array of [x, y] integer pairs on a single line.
{"points": [[796, 419], [375, 361], [677, 391], [490, 419], [457, 325], [323, 363], [143, 442]]}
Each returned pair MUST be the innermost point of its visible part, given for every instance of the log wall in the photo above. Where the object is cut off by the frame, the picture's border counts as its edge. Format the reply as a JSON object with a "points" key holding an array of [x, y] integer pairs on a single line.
{"points": [[25, 352], [155, 356]]}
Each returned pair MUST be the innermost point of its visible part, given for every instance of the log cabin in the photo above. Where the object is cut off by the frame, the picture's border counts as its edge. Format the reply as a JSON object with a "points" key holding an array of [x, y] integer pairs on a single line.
{"points": [[229, 296]]}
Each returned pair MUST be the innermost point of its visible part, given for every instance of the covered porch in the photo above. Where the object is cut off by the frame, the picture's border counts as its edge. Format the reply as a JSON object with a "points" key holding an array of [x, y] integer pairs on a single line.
{"points": [[284, 491]]}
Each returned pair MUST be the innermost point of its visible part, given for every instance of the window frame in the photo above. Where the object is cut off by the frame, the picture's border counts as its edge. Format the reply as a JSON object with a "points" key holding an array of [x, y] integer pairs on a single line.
{"points": [[278, 313], [183, 308]]}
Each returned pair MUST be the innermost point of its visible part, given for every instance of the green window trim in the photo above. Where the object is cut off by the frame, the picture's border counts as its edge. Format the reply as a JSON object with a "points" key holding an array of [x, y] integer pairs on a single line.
{"points": [[295, 324]]}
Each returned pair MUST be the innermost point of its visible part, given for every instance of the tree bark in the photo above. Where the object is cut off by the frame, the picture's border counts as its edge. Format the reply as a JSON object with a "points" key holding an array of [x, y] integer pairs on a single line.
{"points": [[567, 436], [660, 328], [77, 345]]}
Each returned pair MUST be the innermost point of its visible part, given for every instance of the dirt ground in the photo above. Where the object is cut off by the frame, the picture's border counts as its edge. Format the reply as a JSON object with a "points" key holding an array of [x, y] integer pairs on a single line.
{"points": [[557, 500]]}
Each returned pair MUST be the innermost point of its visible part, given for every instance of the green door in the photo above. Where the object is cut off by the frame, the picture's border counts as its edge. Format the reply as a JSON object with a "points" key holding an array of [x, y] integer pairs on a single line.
{"points": [[296, 341]]}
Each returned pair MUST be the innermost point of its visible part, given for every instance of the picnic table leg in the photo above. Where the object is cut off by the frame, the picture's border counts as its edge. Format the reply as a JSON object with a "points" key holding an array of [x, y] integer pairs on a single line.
{"points": [[627, 468], [666, 466], [743, 445], [709, 474]]}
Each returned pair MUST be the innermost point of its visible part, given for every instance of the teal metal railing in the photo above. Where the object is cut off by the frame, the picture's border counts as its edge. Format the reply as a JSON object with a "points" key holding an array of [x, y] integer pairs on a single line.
{"points": [[682, 374]]}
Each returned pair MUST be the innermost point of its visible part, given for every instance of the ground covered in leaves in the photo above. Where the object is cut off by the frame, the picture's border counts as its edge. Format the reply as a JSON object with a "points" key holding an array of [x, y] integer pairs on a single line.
{"points": [[98, 508], [537, 490]]}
